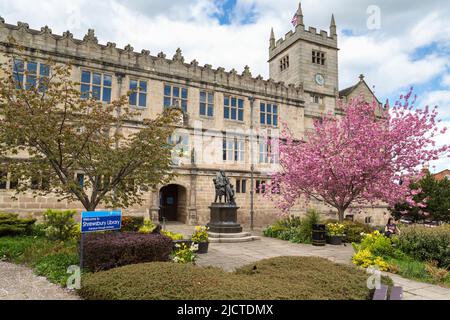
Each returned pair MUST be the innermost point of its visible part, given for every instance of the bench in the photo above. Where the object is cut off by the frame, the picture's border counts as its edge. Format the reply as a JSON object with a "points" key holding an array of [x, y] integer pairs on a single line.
{"points": [[382, 292]]}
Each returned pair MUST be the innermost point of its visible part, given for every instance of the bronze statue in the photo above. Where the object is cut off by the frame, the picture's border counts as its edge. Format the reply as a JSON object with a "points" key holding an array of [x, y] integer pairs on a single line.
{"points": [[224, 188]]}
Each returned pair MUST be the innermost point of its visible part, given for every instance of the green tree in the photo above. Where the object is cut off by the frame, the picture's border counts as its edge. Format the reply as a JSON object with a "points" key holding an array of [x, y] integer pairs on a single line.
{"points": [[436, 196], [50, 134]]}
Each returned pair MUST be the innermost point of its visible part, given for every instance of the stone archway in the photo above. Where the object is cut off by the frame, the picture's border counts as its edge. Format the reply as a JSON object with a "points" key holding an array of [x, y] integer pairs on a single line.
{"points": [[173, 203]]}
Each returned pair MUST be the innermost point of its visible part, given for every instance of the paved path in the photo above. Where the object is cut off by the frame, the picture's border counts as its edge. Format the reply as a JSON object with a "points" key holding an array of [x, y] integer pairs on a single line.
{"points": [[19, 283], [229, 256]]}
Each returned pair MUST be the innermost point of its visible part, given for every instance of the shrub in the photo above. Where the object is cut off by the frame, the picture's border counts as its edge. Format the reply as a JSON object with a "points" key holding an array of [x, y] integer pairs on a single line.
{"points": [[105, 251], [426, 244], [365, 258], [294, 278], [335, 229], [59, 225], [377, 244], [54, 266], [353, 231], [132, 224], [274, 231], [12, 225], [147, 227], [171, 235]]}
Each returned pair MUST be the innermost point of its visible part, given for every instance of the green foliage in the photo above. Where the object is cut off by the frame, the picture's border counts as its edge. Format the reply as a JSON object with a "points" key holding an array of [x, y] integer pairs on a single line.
{"points": [[148, 227], [293, 278], [377, 244], [173, 236], [184, 253], [131, 223], [12, 225], [437, 204], [60, 225], [426, 244], [294, 229], [54, 266]]}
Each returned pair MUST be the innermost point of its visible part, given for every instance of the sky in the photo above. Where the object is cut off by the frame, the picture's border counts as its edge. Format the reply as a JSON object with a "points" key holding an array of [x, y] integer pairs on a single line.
{"points": [[395, 44]]}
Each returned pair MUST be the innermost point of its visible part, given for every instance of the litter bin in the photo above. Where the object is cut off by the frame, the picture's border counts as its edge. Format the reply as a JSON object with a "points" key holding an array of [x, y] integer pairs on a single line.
{"points": [[318, 235]]}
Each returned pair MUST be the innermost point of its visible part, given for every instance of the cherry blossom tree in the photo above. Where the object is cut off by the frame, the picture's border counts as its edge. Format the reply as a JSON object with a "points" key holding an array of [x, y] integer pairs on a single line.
{"points": [[368, 155]]}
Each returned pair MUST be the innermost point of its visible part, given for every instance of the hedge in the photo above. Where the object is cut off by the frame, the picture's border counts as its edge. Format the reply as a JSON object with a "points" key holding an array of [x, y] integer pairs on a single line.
{"points": [[12, 225], [131, 223], [298, 278], [103, 251]]}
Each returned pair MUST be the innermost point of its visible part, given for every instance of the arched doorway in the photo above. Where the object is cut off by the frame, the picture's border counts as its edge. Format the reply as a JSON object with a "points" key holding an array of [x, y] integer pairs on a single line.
{"points": [[173, 203]]}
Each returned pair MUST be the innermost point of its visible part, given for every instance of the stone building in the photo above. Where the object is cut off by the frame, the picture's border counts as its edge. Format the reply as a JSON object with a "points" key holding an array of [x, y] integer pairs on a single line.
{"points": [[227, 114]]}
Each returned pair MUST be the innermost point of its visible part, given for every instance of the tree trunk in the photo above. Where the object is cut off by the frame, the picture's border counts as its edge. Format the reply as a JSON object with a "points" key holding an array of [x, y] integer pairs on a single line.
{"points": [[341, 213]]}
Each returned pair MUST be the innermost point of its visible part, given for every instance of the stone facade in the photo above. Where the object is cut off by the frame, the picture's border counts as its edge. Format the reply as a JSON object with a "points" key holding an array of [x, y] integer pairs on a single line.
{"points": [[291, 90]]}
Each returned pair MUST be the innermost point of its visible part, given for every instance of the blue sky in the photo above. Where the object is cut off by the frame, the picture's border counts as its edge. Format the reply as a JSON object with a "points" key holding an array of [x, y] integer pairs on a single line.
{"points": [[411, 47]]}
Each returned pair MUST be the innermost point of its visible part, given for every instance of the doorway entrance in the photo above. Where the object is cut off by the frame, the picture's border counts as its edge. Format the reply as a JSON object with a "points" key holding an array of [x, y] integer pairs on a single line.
{"points": [[172, 203]]}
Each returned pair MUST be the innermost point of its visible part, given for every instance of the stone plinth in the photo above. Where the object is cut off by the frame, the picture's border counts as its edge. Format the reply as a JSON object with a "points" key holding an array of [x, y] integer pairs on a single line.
{"points": [[224, 218]]}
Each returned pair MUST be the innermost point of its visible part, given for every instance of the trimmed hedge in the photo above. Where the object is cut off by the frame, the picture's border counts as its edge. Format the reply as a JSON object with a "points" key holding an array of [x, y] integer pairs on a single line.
{"points": [[12, 225], [103, 251], [426, 244], [295, 278]]}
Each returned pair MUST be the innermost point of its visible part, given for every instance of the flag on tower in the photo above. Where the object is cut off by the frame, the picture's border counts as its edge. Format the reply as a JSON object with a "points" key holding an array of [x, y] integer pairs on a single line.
{"points": [[295, 20]]}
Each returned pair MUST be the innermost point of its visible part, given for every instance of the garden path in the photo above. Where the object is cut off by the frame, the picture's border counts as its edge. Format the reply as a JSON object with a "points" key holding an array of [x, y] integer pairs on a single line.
{"points": [[20, 283], [230, 256]]}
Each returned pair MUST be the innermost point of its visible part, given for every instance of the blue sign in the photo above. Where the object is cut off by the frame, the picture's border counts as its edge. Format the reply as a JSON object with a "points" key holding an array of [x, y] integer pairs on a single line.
{"points": [[94, 221]]}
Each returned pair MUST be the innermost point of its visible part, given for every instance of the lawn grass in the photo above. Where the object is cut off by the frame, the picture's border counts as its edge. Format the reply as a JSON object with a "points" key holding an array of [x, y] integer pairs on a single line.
{"points": [[48, 258], [294, 278]]}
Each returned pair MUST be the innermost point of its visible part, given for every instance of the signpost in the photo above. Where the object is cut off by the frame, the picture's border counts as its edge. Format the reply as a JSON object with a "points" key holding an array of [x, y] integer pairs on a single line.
{"points": [[94, 221]]}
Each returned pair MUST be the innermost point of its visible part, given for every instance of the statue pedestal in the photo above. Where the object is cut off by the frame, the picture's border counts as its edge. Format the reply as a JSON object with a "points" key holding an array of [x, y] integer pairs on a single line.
{"points": [[224, 218]]}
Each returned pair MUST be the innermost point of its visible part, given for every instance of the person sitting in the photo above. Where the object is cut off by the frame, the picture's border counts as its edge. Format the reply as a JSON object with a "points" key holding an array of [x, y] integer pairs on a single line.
{"points": [[391, 228]]}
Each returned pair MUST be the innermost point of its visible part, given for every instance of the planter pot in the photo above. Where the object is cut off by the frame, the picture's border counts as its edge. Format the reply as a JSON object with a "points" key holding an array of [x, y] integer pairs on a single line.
{"points": [[336, 240], [203, 247]]}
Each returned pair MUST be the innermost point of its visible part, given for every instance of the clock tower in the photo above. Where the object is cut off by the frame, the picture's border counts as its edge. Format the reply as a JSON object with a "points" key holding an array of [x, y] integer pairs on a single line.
{"points": [[309, 58]]}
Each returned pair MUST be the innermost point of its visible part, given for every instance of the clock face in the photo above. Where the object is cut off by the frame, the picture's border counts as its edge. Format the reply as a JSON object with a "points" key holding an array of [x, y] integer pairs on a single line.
{"points": [[320, 80]]}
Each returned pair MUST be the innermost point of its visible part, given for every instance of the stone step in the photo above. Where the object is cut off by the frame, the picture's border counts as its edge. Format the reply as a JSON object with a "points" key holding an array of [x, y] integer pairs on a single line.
{"points": [[234, 240], [229, 235]]}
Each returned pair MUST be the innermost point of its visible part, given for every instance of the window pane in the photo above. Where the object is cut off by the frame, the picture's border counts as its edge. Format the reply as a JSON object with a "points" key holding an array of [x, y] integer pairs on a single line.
{"points": [[44, 70], [269, 108], [97, 78], [107, 80], [275, 109], [184, 93], [263, 118], [241, 115], [143, 100], [233, 113], [241, 104], [31, 82], [18, 66], [226, 101], [85, 91], [143, 86], [86, 77], [233, 102], [202, 96], [210, 111], [184, 105], [32, 67], [133, 98], [133, 84], [176, 91], [275, 120], [269, 119], [226, 112], [244, 186], [210, 98], [106, 94], [167, 102], [202, 109], [96, 92], [167, 90]]}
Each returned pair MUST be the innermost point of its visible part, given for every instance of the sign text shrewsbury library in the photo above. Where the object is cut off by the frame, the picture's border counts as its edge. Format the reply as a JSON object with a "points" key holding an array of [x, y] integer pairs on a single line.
{"points": [[101, 221]]}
